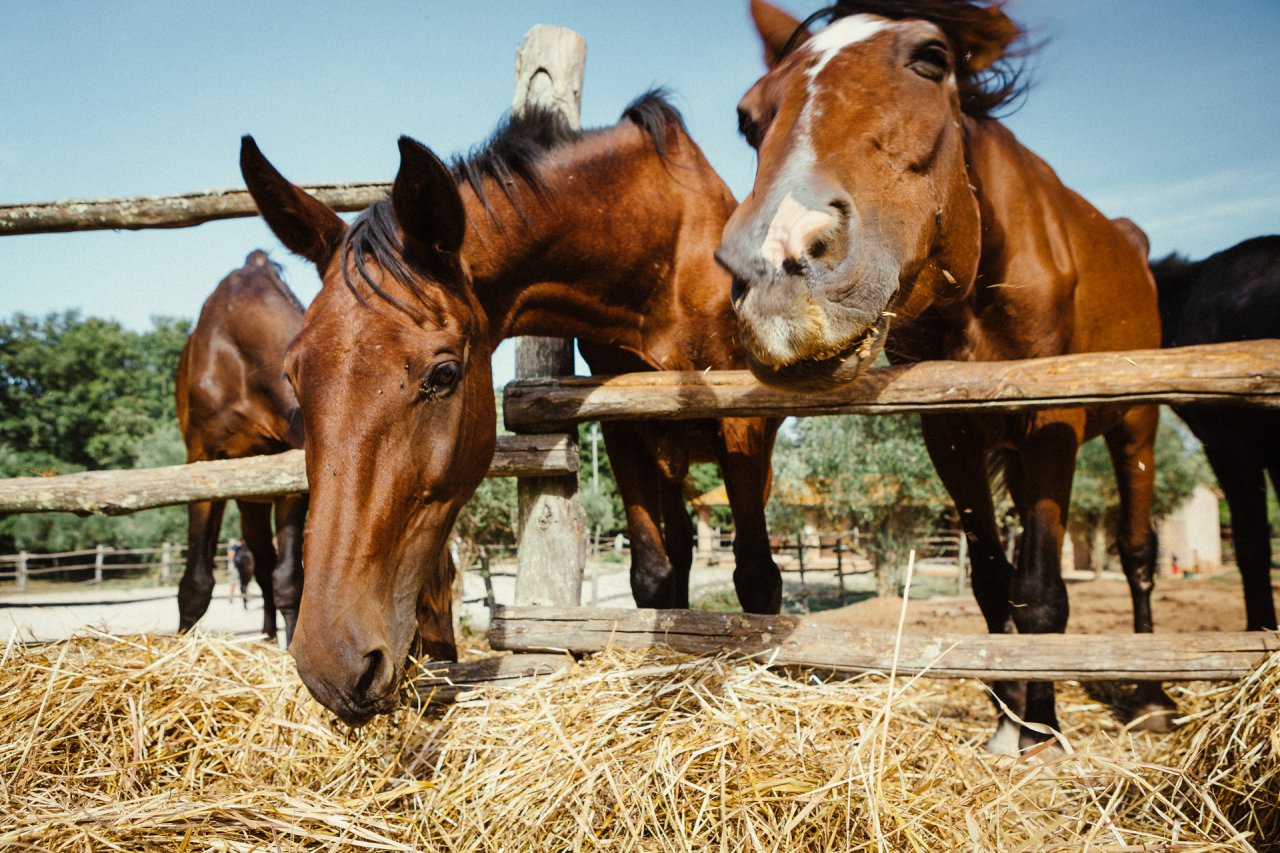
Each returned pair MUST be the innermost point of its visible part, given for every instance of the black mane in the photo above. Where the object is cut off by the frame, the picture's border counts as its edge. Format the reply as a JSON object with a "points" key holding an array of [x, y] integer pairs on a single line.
{"points": [[999, 86], [518, 145], [375, 235], [513, 154]]}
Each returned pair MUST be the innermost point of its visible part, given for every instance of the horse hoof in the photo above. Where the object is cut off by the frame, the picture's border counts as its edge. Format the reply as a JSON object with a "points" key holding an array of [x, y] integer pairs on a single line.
{"points": [[1153, 718], [1005, 740]]}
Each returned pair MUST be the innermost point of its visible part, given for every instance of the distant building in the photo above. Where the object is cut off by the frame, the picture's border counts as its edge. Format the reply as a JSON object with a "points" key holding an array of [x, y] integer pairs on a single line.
{"points": [[1193, 534]]}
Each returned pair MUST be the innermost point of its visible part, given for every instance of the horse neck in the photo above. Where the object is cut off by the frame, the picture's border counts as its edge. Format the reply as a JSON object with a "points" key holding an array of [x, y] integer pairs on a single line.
{"points": [[616, 238]]}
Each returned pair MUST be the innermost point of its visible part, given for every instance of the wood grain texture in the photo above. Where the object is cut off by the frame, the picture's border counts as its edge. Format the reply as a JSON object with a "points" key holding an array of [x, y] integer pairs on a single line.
{"points": [[795, 641], [443, 683], [122, 492], [172, 211], [1242, 373], [552, 531]]}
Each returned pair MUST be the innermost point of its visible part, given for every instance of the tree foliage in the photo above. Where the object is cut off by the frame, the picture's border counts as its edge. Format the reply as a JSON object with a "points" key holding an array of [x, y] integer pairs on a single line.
{"points": [[872, 472], [85, 393]]}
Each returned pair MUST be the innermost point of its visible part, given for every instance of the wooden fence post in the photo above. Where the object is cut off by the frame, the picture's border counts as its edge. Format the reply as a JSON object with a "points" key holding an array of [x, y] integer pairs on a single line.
{"points": [[22, 570], [166, 560], [98, 560], [962, 562], [552, 531]]}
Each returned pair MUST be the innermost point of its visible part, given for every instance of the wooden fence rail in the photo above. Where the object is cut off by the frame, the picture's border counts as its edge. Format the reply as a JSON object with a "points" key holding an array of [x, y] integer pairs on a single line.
{"points": [[122, 492], [1246, 373], [796, 641], [101, 560], [172, 211]]}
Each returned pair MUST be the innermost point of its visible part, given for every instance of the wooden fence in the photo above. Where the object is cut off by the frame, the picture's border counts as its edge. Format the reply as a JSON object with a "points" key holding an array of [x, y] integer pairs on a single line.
{"points": [[549, 71], [102, 561]]}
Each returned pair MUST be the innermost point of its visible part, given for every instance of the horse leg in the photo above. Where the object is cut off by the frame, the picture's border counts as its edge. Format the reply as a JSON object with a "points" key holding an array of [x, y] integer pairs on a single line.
{"points": [[1241, 478], [204, 522], [286, 577], [677, 539], [745, 449], [1132, 447], [1046, 465], [959, 455], [255, 524], [636, 474]]}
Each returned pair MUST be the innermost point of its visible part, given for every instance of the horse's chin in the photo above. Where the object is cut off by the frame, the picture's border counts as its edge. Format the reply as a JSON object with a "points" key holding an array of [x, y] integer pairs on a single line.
{"points": [[829, 371]]}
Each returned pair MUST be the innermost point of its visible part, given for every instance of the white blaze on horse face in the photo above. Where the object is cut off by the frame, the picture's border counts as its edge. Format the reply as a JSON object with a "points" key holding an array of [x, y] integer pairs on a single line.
{"points": [[793, 227], [839, 35]]}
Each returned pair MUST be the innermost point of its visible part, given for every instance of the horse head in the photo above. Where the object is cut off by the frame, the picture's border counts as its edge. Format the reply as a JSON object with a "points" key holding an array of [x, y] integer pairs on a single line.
{"points": [[862, 208], [392, 374]]}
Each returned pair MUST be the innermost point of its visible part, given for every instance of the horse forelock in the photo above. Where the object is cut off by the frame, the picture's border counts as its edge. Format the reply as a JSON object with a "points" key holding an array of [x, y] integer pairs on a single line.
{"points": [[990, 49], [374, 239]]}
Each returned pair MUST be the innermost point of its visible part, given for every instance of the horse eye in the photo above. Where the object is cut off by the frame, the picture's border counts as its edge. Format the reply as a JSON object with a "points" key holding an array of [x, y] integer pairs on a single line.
{"points": [[748, 128], [931, 60], [441, 379]]}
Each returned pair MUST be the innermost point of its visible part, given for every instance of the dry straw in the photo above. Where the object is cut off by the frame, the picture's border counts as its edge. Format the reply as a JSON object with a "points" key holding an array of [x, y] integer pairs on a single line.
{"points": [[208, 743]]}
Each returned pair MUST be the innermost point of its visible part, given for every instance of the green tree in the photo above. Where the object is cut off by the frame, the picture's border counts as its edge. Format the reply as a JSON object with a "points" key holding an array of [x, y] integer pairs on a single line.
{"points": [[84, 393], [1095, 500], [870, 471]]}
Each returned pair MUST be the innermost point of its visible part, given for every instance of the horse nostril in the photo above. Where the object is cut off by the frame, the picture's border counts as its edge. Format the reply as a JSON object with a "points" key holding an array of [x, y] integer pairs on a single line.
{"points": [[372, 669], [738, 290]]}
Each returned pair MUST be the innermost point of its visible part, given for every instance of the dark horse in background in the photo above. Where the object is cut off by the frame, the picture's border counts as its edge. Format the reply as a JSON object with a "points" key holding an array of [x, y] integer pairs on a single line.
{"points": [[233, 402], [605, 235], [892, 211], [1233, 296]]}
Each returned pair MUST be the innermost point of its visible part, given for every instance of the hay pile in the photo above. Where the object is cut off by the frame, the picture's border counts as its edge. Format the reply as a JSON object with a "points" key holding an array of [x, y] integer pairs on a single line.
{"points": [[201, 742]]}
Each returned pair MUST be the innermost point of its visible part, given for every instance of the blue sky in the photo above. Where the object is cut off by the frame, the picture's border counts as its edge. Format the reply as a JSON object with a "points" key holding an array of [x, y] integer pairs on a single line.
{"points": [[1166, 112]]}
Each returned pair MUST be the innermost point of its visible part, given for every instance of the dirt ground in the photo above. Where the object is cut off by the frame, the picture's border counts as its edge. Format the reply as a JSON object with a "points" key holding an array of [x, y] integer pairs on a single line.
{"points": [[1204, 603]]}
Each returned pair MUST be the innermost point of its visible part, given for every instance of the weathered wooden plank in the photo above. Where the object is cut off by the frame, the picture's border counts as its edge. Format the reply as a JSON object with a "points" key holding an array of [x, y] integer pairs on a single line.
{"points": [[795, 641], [122, 492], [172, 211], [1241, 373], [552, 531], [442, 683]]}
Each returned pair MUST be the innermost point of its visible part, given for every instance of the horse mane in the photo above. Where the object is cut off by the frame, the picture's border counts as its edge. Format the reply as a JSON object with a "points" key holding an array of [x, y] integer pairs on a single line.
{"points": [[515, 150], [277, 280], [990, 50], [513, 154]]}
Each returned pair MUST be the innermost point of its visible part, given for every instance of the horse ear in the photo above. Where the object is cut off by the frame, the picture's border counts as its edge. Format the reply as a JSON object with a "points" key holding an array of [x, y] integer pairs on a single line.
{"points": [[776, 28], [427, 204], [991, 32], [306, 225]]}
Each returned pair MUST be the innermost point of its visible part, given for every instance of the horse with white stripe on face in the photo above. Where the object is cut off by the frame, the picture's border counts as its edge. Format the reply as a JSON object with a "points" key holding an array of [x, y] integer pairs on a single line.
{"points": [[892, 212]]}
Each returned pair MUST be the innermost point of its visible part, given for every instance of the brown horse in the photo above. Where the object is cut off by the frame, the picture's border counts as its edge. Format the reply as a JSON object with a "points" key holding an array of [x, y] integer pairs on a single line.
{"points": [[640, 282], [392, 374], [890, 210], [609, 236], [232, 402]]}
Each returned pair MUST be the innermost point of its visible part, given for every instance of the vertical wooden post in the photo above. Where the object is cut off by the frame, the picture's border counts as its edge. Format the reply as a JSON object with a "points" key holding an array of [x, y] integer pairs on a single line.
{"points": [[962, 562], [98, 561], [840, 568], [22, 570], [166, 561], [552, 531], [804, 588]]}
